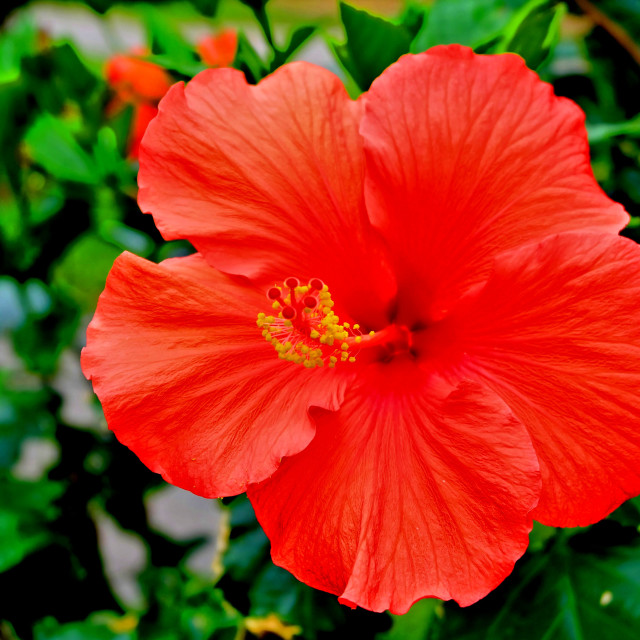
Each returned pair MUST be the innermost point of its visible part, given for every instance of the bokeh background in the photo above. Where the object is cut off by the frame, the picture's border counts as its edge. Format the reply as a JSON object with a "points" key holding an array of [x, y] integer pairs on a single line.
{"points": [[93, 546]]}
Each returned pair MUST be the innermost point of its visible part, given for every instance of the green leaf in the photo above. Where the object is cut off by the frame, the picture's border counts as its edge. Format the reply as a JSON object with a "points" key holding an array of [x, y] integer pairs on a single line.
{"points": [[297, 39], [188, 68], [372, 44], [16, 544], [32, 499], [272, 589], [245, 554], [540, 536], [206, 7], [276, 590], [248, 546], [45, 197], [415, 623], [14, 118], [581, 589], [468, 22], [25, 508], [534, 31], [16, 43], [170, 49], [71, 74], [107, 157], [126, 238], [412, 18], [628, 513], [602, 132], [249, 61], [83, 270], [51, 144], [100, 626], [186, 608]]}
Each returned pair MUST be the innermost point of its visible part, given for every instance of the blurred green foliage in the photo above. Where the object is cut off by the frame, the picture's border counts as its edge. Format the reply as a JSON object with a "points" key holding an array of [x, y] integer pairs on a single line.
{"points": [[67, 209]]}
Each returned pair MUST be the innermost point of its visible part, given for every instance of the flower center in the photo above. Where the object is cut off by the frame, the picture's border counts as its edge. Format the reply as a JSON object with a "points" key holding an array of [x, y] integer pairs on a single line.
{"points": [[306, 330]]}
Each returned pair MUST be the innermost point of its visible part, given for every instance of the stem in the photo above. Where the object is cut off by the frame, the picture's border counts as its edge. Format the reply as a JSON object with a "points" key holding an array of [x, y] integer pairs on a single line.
{"points": [[613, 28]]}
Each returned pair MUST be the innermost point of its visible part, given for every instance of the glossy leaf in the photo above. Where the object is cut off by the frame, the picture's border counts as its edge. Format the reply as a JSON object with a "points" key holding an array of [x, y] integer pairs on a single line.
{"points": [[416, 623], [249, 61], [183, 607], [470, 22], [296, 40], [372, 44], [534, 31], [107, 156], [605, 131], [126, 238], [82, 272], [582, 589], [52, 145], [248, 548], [276, 590], [14, 45], [167, 43]]}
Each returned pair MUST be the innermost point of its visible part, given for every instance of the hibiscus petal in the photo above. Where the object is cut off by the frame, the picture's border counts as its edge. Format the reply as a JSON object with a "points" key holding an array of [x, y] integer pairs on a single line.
{"points": [[187, 381], [266, 180], [467, 156], [556, 333], [218, 50], [401, 495], [143, 114]]}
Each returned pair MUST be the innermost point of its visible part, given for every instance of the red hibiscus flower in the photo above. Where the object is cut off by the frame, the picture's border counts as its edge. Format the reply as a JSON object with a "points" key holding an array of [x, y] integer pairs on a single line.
{"points": [[139, 83], [219, 50], [452, 212]]}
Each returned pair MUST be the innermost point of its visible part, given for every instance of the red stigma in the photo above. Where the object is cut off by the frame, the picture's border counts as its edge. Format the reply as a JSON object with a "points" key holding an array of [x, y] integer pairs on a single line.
{"points": [[289, 313], [292, 282]]}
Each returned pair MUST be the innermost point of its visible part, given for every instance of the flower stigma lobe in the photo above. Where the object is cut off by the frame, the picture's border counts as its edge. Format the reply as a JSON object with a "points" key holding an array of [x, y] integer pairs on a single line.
{"points": [[306, 330]]}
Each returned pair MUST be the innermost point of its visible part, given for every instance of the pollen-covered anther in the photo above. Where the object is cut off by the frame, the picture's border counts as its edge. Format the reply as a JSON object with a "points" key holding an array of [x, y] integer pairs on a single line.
{"points": [[306, 330]]}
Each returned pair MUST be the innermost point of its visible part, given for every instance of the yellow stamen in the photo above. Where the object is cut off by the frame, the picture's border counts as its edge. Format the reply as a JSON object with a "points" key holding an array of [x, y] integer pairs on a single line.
{"points": [[306, 328]]}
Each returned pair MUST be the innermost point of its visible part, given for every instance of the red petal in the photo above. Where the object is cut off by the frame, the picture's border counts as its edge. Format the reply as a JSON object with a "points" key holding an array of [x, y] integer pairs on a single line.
{"points": [[467, 156], [266, 180], [135, 79], [187, 381], [402, 496], [143, 114], [556, 333], [219, 50]]}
